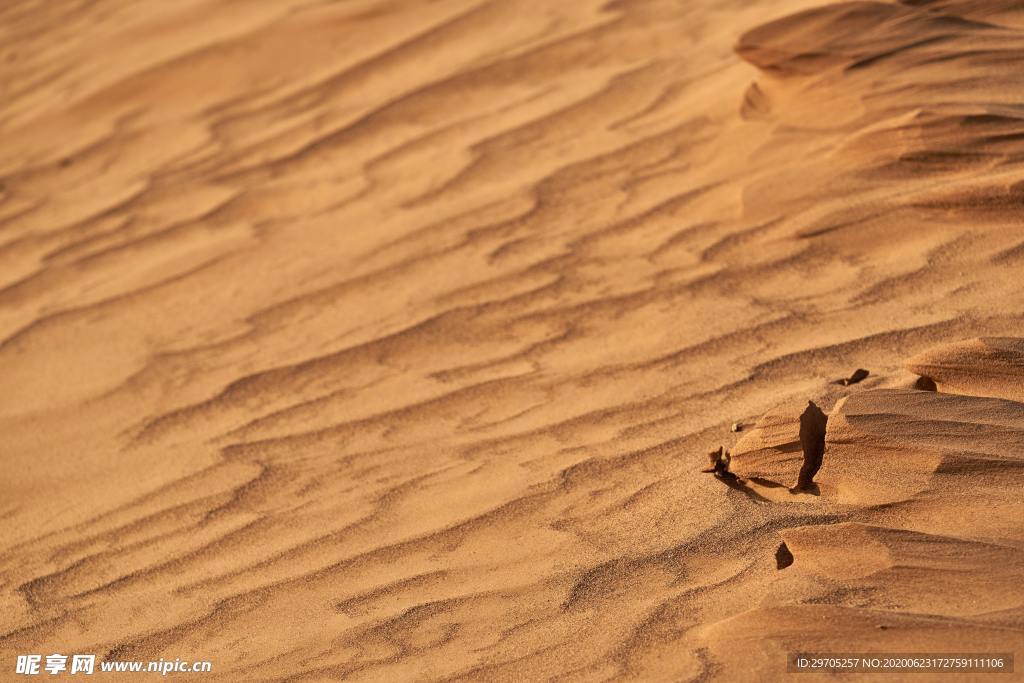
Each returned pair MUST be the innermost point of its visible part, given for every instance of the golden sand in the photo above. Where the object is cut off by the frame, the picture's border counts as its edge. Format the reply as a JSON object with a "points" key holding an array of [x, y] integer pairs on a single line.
{"points": [[384, 340]]}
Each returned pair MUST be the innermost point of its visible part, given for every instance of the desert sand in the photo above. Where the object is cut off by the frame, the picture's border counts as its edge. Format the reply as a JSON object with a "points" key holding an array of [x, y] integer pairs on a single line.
{"points": [[385, 340]]}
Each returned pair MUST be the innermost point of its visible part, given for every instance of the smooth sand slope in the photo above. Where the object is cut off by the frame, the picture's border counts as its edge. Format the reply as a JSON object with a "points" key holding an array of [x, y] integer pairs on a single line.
{"points": [[385, 340]]}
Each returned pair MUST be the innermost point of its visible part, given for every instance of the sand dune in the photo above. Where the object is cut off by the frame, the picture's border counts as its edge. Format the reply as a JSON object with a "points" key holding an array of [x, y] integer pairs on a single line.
{"points": [[976, 367], [385, 340]]}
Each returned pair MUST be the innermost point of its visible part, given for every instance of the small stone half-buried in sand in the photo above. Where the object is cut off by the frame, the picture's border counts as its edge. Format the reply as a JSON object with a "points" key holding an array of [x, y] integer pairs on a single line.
{"points": [[785, 447]]}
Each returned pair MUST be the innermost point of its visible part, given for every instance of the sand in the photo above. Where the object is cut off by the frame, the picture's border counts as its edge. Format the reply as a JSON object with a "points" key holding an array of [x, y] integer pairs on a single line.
{"points": [[386, 339]]}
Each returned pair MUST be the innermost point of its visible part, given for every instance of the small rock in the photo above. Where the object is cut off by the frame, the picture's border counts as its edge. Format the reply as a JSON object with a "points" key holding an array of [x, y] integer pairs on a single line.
{"points": [[785, 446], [737, 427], [859, 375], [783, 557]]}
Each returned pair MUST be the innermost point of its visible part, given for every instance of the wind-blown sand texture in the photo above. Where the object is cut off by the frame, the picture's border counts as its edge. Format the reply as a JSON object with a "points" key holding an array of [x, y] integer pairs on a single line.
{"points": [[384, 340]]}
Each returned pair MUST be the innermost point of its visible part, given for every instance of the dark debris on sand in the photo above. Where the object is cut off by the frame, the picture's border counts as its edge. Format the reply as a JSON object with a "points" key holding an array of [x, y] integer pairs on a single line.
{"points": [[859, 375]]}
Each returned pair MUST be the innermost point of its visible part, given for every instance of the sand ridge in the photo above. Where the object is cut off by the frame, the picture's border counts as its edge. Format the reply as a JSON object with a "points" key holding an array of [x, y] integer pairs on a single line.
{"points": [[384, 340]]}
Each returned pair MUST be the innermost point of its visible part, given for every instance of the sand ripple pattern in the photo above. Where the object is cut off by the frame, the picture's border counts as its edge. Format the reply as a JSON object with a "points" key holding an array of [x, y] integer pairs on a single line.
{"points": [[383, 339]]}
